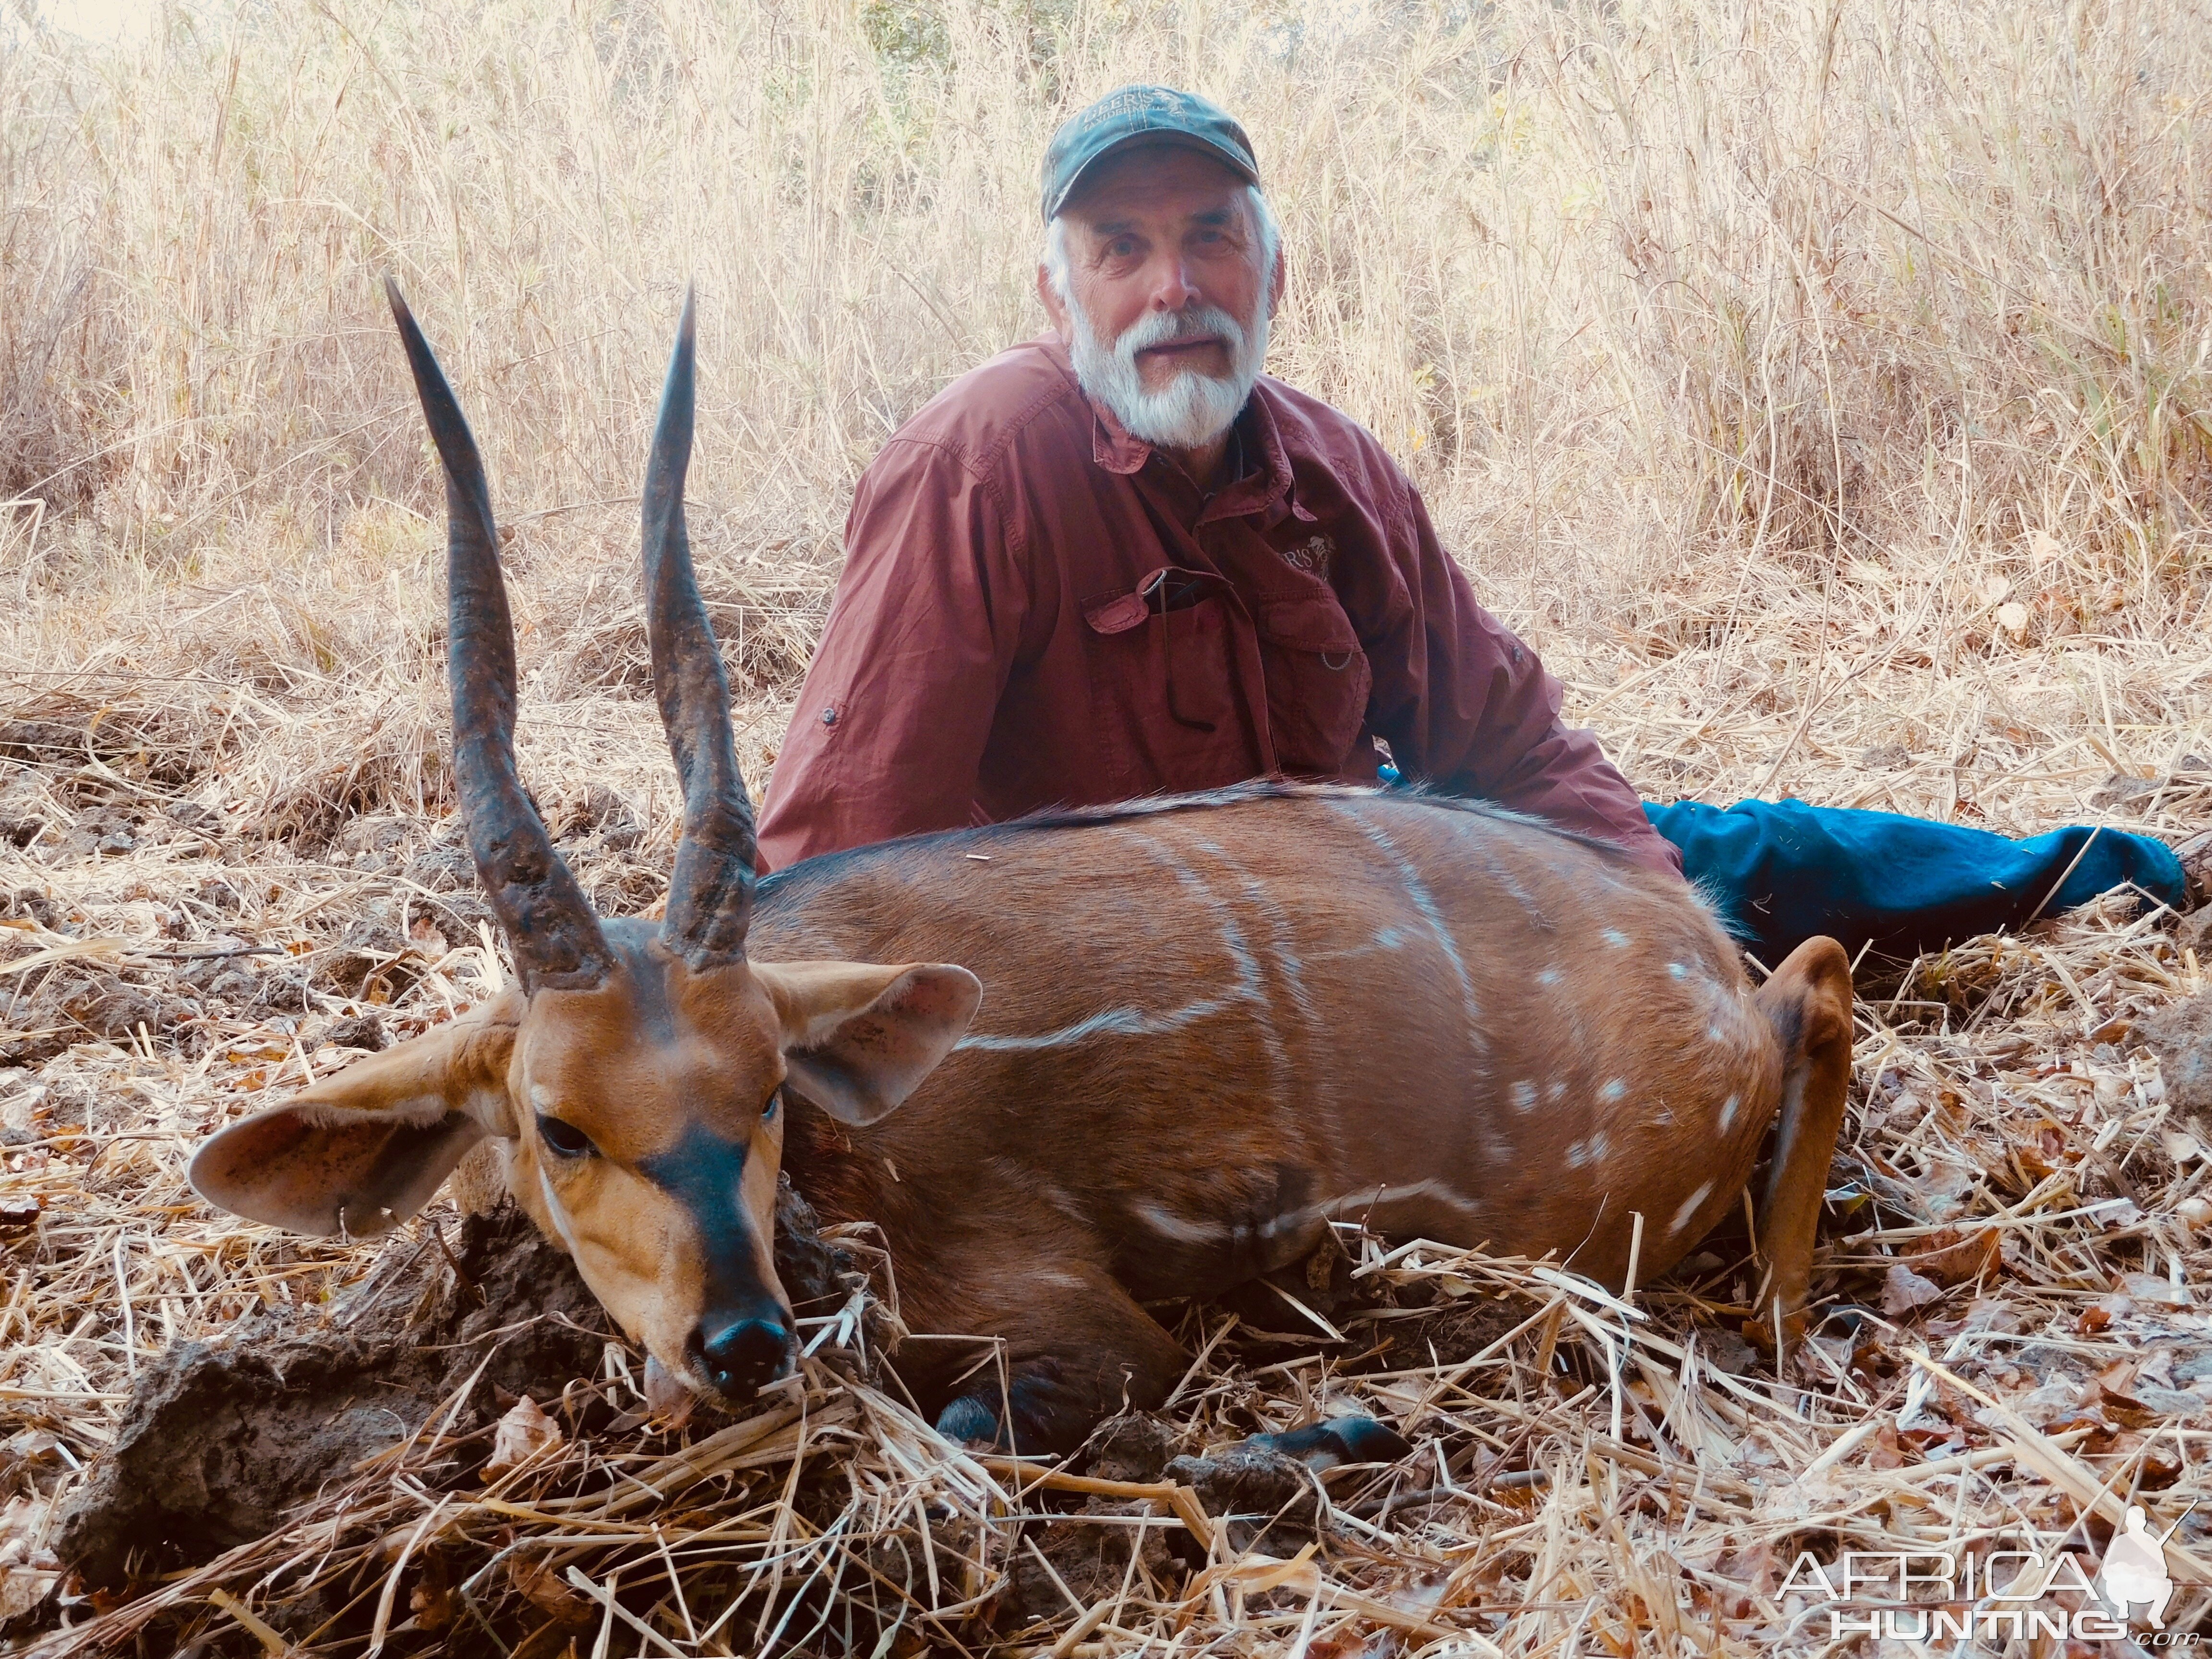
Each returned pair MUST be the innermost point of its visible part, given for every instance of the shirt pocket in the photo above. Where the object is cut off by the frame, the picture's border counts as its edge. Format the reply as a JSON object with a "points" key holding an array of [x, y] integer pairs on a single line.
{"points": [[1164, 685], [1318, 681]]}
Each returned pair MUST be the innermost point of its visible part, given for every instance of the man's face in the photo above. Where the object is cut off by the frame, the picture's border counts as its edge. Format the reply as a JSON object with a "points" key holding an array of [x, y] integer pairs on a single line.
{"points": [[1161, 305], [1163, 230]]}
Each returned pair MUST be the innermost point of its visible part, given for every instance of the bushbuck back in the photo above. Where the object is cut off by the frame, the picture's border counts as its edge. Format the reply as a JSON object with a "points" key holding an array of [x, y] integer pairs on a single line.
{"points": [[1184, 1037]]}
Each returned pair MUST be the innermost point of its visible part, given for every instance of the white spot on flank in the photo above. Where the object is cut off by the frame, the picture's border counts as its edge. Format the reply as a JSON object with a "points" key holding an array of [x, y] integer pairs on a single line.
{"points": [[1728, 1114], [1677, 969], [1613, 1091], [1599, 1147], [1714, 1034], [1549, 976], [1690, 1208], [1524, 1097], [1577, 1155], [1614, 937], [1555, 1090], [1182, 1230]]}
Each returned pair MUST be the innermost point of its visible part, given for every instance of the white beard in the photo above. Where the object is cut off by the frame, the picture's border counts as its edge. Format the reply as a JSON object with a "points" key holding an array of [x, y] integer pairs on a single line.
{"points": [[1192, 408]]}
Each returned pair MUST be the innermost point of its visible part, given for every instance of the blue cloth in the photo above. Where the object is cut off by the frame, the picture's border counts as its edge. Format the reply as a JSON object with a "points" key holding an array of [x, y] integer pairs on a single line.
{"points": [[1784, 871]]}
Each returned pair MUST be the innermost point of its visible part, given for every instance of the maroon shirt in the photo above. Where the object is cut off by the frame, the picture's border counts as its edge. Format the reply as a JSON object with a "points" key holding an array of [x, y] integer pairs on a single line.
{"points": [[1037, 610]]}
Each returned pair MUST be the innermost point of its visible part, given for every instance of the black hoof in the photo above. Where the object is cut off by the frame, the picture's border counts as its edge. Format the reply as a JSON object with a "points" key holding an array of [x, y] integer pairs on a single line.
{"points": [[970, 1422], [1338, 1440]]}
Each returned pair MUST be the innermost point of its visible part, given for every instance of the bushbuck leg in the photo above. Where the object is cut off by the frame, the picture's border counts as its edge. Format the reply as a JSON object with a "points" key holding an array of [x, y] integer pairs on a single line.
{"points": [[1084, 1350], [1808, 1003]]}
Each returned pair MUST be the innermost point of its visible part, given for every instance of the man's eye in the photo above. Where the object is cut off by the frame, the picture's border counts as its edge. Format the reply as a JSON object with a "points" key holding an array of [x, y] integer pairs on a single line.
{"points": [[565, 1138]]}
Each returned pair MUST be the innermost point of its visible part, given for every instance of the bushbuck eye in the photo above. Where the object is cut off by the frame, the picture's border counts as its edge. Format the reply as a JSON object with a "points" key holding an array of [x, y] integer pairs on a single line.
{"points": [[565, 1138], [775, 1105]]}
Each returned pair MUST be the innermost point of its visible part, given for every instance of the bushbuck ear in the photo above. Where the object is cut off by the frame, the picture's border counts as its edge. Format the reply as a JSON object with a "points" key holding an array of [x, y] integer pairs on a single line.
{"points": [[364, 1149], [858, 1039]]}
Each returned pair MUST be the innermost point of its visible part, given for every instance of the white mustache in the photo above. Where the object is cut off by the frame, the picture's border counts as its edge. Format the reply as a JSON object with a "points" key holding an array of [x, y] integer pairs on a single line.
{"points": [[1159, 328]]}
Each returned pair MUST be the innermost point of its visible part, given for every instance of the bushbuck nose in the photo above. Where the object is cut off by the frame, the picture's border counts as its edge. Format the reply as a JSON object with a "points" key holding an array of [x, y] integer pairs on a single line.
{"points": [[742, 1356]]}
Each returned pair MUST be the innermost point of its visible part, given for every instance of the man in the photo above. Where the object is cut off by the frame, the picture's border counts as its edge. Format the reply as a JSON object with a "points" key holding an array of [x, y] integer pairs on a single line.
{"points": [[1119, 560]]}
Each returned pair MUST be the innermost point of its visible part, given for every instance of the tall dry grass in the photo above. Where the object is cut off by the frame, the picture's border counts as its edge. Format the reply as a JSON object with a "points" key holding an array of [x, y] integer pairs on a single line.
{"points": [[1787, 267]]}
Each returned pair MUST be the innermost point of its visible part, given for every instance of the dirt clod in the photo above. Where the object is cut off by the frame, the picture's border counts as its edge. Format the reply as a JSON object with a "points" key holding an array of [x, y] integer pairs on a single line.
{"points": [[2180, 1035], [221, 1437], [1134, 1446], [1267, 1498]]}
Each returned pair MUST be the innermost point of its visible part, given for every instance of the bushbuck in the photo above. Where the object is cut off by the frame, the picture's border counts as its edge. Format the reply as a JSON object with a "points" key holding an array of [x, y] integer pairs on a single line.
{"points": [[1068, 1064]]}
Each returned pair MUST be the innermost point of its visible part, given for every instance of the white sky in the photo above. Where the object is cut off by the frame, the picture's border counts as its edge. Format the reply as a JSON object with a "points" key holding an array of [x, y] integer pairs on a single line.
{"points": [[99, 19]]}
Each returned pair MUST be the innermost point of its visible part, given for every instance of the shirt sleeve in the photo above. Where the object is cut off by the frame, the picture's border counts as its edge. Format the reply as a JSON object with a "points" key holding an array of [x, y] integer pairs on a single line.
{"points": [[889, 733], [1464, 703]]}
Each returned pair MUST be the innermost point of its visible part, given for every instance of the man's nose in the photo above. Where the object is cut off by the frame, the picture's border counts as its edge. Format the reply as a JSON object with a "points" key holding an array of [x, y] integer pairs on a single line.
{"points": [[1172, 289], [740, 1356]]}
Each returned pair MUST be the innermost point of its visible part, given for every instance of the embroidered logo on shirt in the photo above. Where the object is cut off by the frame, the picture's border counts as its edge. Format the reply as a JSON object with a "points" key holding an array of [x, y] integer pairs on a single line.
{"points": [[1312, 556]]}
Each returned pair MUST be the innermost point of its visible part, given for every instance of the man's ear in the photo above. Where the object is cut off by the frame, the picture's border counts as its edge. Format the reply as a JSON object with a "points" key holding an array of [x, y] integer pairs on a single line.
{"points": [[858, 1039], [364, 1149]]}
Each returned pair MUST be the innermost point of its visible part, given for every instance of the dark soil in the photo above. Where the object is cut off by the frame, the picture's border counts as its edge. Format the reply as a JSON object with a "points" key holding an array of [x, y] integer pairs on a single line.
{"points": [[220, 1439], [2181, 1036]]}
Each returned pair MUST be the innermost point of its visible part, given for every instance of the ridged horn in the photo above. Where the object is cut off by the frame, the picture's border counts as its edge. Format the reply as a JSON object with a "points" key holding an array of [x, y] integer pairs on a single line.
{"points": [[710, 896], [550, 924]]}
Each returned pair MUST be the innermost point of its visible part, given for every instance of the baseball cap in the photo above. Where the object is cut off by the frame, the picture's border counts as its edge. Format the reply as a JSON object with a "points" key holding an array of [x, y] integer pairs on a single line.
{"points": [[1157, 115]]}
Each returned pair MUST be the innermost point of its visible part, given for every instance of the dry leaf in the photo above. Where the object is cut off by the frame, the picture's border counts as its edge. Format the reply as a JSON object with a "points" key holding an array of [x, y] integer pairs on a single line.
{"points": [[523, 1433], [1955, 1259], [543, 1590], [2013, 618], [1904, 1289]]}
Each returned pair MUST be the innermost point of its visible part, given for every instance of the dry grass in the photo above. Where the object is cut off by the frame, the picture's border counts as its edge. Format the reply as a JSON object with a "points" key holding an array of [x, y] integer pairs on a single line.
{"points": [[1827, 392]]}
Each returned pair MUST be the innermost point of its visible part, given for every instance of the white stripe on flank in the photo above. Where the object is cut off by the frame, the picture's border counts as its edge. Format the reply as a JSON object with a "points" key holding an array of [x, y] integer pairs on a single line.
{"points": [[1170, 1225], [1425, 902], [1728, 1114], [1435, 1189], [1690, 1208], [1111, 1021]]}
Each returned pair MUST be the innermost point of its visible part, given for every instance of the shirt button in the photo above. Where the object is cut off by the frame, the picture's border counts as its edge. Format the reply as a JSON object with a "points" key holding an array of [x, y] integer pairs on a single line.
{"points": [[828, 717]]}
